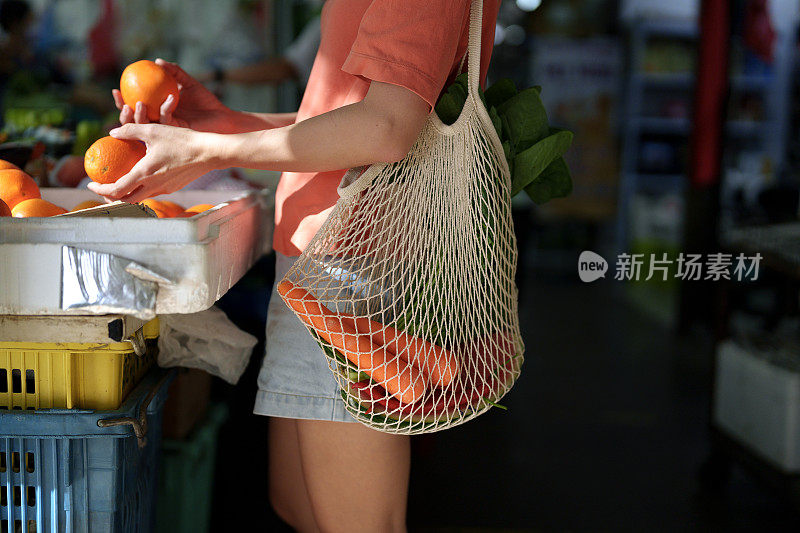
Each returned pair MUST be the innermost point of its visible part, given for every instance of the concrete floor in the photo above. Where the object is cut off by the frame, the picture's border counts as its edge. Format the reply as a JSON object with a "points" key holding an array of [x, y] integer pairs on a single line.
{"points": [[605, 431]]}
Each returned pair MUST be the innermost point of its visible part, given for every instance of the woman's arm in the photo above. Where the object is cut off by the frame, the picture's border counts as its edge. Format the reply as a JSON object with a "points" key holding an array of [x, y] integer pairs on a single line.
{"points": [[243, 121], [380, 128]]}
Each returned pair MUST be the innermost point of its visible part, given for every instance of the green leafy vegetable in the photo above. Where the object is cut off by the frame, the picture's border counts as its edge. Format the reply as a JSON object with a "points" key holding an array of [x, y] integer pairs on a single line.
{"points": [[533, 150], [496, 122], [448, 109], [529, 164], [500, 92], [553, 182], [526, 118]]}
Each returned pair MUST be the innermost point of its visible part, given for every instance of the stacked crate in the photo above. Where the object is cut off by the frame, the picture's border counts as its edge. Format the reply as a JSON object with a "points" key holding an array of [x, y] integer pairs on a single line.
{"points": [[80, 423]]}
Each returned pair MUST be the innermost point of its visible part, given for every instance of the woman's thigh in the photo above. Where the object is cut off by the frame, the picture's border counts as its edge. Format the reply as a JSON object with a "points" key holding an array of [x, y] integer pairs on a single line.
{"points": [[287, 487], [356, 478]]}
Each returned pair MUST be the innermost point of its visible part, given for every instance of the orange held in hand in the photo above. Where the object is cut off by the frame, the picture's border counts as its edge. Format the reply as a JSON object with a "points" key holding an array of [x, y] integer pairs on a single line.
{"points": [[108, 159], [16, 186], [5, 211], [36, 207], [5, 165], [147, 82]]}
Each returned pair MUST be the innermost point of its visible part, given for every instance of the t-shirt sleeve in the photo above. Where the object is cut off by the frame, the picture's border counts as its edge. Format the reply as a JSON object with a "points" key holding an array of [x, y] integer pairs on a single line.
{"points": [[411, 43]]}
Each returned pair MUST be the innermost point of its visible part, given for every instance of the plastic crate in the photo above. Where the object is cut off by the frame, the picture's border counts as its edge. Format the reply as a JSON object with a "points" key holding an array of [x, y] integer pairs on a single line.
{"points": [[186, 477], [65, 375], [83, 471]]}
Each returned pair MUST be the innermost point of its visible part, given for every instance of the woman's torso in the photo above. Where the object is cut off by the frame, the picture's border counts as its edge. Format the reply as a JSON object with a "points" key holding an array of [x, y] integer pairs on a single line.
{"points": [[304, 200]]}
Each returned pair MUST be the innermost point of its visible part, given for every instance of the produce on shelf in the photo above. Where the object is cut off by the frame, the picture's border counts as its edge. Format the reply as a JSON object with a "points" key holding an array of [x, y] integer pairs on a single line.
{"points": [[532, 148], [163, 208], [86, 133], [199, 208], [88, 204], [36, 207], [108, 159], [16, 186], [5, 211], [145, 81], [20, 119], [171, 208]]}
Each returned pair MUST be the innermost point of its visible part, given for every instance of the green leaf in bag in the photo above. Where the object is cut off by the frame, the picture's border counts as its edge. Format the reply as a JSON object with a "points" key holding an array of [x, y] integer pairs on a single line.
{"points": [[532, 162], [498, 125], [451, 102], [459, 93], [447, 108], [499, 92], [505, 135], [507, 151], [553, 182], [462, 79], [526, 119]]}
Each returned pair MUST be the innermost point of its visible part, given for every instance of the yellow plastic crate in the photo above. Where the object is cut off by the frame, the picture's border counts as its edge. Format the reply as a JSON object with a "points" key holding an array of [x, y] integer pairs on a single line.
{"points": [[47, 375]]}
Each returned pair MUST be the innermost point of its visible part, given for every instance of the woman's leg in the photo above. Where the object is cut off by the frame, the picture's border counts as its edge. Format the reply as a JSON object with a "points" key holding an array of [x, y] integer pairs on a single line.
{"points": [[287, 487], [356, 478]]}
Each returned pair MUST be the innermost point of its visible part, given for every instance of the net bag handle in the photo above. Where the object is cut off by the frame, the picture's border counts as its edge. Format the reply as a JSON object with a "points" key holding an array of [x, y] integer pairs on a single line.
{"points": [[357, 179]]}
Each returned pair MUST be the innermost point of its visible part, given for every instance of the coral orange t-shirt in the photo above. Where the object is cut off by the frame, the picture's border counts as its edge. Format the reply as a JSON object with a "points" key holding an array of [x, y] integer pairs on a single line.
{"points": [[417, 44]]}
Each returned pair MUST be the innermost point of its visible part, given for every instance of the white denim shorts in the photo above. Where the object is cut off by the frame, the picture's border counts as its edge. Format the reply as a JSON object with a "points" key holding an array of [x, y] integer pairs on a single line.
{"points": [[295, 381]]}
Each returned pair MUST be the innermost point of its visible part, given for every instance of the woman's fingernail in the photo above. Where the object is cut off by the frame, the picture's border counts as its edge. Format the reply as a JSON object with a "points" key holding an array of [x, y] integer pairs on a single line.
{"points": [[113, 131]]}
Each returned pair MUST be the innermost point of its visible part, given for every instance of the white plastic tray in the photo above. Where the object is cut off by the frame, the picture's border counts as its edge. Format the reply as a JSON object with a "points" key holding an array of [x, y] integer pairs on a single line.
{"points": [[758, 403], [202, 256]]}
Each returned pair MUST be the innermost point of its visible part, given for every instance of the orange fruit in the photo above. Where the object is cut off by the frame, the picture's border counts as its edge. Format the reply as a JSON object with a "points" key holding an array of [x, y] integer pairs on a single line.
{"points": [[16, 186], [186, 214], [5, 211], [147, 82], [170, 208], [108, 159], [5, 165], [199, 208], [36, 207], [86, 205], [157, 206]]}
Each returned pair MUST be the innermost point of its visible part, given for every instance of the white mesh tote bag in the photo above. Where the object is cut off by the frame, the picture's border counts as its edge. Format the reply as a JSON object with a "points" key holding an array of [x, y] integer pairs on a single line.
{"points": [[409, 285]]}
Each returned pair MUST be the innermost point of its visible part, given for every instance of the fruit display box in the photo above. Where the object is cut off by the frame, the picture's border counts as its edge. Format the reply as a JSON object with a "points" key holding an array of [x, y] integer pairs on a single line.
{"points": [[145, 266], [758, 403]]}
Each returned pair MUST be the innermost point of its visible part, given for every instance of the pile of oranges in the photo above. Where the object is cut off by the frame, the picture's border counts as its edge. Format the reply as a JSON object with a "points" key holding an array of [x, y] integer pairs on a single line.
{"points": [[20, 196], [167, 209]]}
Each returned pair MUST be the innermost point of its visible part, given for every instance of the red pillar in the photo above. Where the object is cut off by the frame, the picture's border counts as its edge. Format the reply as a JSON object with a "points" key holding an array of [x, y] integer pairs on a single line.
{"points": [[711, 92]]}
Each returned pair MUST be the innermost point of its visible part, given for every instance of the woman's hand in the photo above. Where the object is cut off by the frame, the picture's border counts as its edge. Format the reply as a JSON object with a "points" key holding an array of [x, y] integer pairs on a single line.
{"points": [[175, 157], [197, 107]]}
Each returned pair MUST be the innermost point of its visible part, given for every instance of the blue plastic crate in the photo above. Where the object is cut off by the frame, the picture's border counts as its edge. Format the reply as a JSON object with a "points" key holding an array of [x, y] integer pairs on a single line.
{"points": [[80, 470]]}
